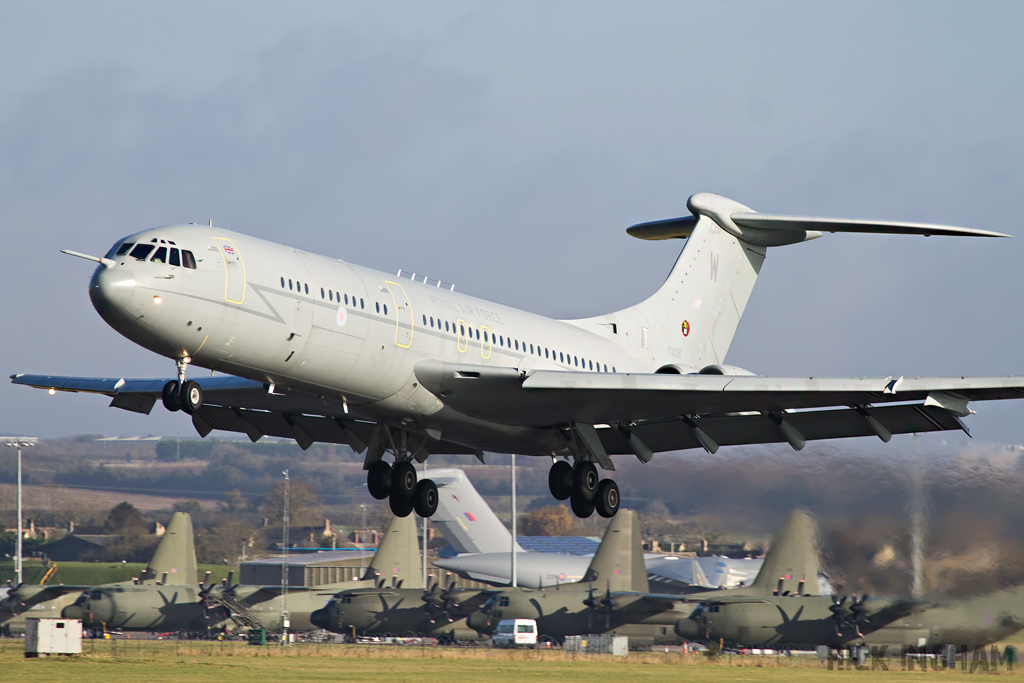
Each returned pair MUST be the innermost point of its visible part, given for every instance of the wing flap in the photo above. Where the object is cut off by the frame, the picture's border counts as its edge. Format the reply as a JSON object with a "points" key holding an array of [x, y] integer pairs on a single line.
{"points": [[813, 425]]}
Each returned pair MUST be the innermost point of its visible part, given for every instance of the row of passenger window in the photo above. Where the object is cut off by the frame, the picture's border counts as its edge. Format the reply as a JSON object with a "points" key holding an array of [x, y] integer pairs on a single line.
{"points": [[509, 343], [492, 338], [162, 254], [325, 294]]}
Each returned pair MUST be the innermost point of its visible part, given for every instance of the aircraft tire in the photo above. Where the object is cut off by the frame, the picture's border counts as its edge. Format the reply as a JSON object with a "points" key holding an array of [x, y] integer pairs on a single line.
{"points": [[400, 506], [171, 396], [581, 507], [378, 480], [560, 480], [425, 499], [191, 397], [585, 480], [403, 481], [607, 500]]}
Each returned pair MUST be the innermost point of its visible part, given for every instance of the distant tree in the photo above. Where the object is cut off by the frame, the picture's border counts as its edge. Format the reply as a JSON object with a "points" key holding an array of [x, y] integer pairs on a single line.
{"points": [[235, 502], [125, 519], [304, 504], [554, 520], [228, 538]]}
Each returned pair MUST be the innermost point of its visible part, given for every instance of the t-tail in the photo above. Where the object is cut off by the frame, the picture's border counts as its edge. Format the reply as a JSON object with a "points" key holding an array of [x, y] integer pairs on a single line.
{"points": [[398, 562], [464, 518], [791, 563], [618, 564], [174, 560], [688, 325]]}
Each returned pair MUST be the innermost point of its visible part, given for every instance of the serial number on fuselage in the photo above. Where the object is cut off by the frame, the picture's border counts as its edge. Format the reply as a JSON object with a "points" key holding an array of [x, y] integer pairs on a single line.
{"points": [[482, 313]]}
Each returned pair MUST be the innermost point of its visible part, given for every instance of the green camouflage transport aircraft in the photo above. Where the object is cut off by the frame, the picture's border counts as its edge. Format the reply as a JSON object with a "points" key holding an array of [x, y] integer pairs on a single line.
{"points": [[171, 570], [191, 606]]}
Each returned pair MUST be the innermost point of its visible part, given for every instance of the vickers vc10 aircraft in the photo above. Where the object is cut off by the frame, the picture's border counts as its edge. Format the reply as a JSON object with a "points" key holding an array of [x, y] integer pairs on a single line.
{"points": [[317, 349]]}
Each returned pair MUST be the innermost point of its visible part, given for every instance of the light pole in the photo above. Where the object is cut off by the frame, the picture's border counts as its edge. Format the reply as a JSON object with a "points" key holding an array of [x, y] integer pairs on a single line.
{"points": [[515, 568], [284, 567], [362, 542], [19, 443]]}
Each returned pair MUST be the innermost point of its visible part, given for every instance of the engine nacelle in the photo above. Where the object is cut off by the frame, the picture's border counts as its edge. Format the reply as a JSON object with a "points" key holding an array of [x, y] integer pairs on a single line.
{"points": [[675, 370], [725, 370]]}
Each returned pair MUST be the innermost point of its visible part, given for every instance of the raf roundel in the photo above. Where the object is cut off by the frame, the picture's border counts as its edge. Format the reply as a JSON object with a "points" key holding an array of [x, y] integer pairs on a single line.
{"points": [[686, 328], [342, 316]]}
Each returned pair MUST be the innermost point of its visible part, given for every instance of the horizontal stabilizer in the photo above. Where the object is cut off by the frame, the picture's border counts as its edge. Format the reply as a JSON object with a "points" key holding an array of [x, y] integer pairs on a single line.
{"points": [[767, 221], [772, 230]]}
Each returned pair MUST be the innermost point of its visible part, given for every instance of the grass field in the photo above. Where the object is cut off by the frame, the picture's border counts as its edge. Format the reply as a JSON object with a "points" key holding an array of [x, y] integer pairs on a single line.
{"points": [[92, 573], [155, 662]]}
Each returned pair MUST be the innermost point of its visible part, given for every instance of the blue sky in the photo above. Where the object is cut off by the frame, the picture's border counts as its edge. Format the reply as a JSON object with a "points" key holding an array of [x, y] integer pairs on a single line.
{"points": [[505, 147]]}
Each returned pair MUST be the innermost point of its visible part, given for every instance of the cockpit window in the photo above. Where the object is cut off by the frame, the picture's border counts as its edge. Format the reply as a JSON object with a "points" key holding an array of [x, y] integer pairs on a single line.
{"points": [[175, 259], [187, 259], [121, 250], [95, 595], [160, 256], [141, 251]]}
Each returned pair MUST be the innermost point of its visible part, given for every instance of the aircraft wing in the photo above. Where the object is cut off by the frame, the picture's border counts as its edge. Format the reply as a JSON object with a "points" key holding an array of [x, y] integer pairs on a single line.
{"points": [[647, 413], [236, 404]]}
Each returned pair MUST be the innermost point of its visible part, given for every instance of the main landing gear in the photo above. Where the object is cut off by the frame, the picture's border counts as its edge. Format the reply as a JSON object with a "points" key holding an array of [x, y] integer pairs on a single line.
{"points": [[584, 488], [179, 394], [400, 486]]}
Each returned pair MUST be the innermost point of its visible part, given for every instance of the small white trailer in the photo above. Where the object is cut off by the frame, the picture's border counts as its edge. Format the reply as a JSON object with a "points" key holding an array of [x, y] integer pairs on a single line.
{"points": [[53, 637]]}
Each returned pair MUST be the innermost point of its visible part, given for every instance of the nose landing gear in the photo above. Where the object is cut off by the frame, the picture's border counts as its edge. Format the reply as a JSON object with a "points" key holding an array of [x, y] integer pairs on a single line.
{"points": [[584, 488], [179, 394]]}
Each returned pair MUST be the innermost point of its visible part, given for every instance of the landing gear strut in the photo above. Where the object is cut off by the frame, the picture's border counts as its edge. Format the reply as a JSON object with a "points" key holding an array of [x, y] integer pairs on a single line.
{"points": [[584, 488]]}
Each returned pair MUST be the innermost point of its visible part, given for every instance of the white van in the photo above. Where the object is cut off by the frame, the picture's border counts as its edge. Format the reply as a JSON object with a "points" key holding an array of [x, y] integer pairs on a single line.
{"points": [[515, 632]]}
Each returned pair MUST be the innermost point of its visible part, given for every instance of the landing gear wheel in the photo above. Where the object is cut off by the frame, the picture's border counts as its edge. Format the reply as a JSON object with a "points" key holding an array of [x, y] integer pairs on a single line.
{"points": [[171, 396], [607, 499], [191, 397], [378, 480], [400, 507], [560, 480], [580, 507], [424, 498], [403, 481], [584, 480]]}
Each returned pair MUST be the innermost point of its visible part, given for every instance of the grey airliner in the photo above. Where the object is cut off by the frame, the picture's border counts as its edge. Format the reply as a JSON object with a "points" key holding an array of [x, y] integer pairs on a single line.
{"points": [[317, 349]]}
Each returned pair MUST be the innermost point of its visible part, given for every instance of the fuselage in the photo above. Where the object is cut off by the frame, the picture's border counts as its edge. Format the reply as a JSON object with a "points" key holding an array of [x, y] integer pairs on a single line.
{"points": [[563, 611], [808, 621], [347, 335]]}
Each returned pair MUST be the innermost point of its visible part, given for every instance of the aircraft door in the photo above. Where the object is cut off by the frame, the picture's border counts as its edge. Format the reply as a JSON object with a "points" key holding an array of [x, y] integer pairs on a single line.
{"points": [[403, 314], [485, 343], [234, 270]]}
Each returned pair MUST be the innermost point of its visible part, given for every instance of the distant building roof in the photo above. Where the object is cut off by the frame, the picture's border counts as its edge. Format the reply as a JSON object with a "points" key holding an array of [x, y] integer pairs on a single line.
{"points": [[566, 545]]}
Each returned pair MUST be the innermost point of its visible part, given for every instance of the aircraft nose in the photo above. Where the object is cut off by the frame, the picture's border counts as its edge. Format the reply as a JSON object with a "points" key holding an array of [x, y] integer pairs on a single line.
{"points": [[73, 612], [321, 618], [111, 290], [479, 622], [687, 628]]}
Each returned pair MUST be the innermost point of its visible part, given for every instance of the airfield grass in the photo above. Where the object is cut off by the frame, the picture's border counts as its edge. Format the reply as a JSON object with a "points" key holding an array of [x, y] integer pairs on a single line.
{"points": [[92, 573], [157, 661]]}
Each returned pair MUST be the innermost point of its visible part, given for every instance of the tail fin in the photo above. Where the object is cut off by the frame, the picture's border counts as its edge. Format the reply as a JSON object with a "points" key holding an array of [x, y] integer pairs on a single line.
{"points": [[398, 555], [792, 558], [619, 561], [690, 322], [464, 518], [175, 555]]}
